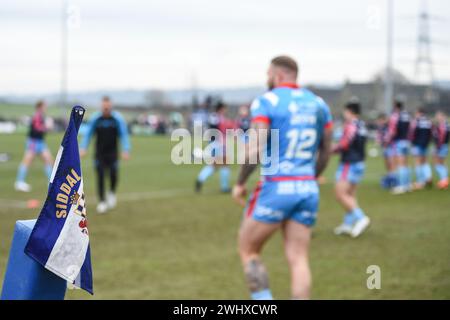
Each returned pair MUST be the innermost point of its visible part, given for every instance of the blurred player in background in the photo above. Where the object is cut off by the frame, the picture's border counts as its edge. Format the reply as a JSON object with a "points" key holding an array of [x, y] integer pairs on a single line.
{"points": [[286, 198], [389, 180], [352, 148], [35, 145], [397, 139], [199, 116], [441, 135], [420, 137], [218, 121], [109, 127], [244, 118], [244, 122]]}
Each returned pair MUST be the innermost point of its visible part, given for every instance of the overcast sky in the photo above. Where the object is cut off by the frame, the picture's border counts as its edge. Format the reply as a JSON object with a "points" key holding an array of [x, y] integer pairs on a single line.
{"points": [[130, 44]]}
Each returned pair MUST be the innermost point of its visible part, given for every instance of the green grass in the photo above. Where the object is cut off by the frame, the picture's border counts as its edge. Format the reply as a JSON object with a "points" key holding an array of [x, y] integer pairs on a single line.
{"points": [[15, 111], [182, 245]]}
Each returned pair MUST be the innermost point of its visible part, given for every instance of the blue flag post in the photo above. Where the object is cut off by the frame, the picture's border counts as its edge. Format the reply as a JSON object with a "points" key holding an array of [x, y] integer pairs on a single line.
{"points": [[59, 240], [25, 279]]}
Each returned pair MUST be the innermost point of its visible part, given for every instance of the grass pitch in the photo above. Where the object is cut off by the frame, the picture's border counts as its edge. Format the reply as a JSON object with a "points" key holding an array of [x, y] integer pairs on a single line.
{"points": [[165, 242]]}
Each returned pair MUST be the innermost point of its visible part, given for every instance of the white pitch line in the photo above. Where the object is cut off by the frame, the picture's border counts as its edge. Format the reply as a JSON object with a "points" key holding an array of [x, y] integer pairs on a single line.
{"points": [[134, 196], [8, 203], [121, 197], [88, 163]]}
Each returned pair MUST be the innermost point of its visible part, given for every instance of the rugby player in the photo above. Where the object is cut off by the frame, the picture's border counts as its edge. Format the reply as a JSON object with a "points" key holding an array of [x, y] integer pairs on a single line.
{"points": [[35, 145], [244, 122], [244, 119], [420, 137], [351, 170], [109, 127], [441, 136], [218, 121], [389, 180], [397, 139], [287, 196]]}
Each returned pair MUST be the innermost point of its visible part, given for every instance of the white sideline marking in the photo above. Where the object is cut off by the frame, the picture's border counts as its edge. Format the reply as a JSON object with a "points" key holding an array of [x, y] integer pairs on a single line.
{"points": [[8, 203], [153, 194], [121, 197], [89, 162]]}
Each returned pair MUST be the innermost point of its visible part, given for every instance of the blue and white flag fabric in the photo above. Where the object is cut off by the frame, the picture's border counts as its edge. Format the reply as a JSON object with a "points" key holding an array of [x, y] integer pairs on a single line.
{"points": [[60, 238]]}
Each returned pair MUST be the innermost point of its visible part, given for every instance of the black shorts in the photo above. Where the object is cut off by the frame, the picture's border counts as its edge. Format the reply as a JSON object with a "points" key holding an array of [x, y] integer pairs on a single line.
{"points": [[106, 161]]}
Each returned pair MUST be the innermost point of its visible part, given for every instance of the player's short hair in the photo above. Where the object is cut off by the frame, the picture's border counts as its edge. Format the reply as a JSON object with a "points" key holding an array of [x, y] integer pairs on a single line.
{"points": [[220, 105], [106, 99], [421, 110], [40, 104], [286, 63], [354, 106], [399, 104]]}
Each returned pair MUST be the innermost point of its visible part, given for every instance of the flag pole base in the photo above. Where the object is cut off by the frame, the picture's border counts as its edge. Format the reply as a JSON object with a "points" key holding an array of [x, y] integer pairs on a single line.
{"points": [[25, 279]]}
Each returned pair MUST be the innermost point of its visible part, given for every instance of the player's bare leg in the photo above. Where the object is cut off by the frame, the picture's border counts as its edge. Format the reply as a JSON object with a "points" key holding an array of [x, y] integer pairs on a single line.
{"points": [[389, 164], [252, 237], [28, 158], [219, 164], [355, 220], [48, 162], [20, 184], [406, 162], [225, 172], [403, 175], [423, 173], [296, 247], [418, 185], [442, 170], [344, 192]]}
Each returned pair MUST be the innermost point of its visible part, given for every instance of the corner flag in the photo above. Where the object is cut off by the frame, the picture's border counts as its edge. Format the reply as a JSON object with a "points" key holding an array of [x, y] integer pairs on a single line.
{"points": [[60, 238]]}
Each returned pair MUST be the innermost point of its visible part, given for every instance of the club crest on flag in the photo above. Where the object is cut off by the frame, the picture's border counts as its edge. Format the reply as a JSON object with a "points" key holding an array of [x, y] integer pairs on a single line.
{"points": [[60, 238], [78, 202]]}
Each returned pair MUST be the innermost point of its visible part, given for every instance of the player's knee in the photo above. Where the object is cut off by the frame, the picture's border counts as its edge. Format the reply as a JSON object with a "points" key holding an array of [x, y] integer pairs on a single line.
{"points": [[27, 160], [338, 193], [247, 254], [246, 250], [291, 257]]}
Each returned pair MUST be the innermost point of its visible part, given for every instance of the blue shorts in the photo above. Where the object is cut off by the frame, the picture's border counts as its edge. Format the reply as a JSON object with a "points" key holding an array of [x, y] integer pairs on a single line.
{"points": [[388, 152], [245, 138], [401, 148], [36, 145], [217, 149], [351, 172], [419, 151], [278, 201], [442, 151]]}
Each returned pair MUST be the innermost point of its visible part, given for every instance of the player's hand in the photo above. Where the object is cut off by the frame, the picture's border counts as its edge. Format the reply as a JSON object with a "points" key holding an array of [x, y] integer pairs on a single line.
{"points": [[125, 156], [239, 193], [83, 153], [321, 180]]}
